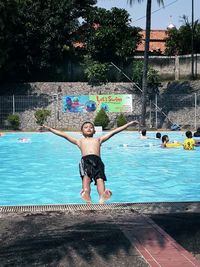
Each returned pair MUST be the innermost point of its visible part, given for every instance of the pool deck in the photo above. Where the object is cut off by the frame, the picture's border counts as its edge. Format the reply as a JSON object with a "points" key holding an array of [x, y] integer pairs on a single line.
{"points": [[93, 235]]}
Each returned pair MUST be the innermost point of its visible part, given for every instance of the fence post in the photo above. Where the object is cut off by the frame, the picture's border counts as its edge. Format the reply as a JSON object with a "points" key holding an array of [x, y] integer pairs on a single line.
{"points": [[156, 102], [55, 98], [177, 68], [13, 106], [150, 125], [195, 110]]}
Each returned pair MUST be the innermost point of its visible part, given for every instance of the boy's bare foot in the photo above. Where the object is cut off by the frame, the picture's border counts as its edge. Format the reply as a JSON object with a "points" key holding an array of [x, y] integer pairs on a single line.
{"points": [[105, 196], [86, 197]]}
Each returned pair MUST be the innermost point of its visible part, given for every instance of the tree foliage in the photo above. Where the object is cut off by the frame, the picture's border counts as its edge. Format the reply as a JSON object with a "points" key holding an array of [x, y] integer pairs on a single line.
{"points": [[36, 36], [109, 35], [96, 72], [153, 78], [101, 119], [41, 116], [178, 41], [121, 120], [14, 121]]}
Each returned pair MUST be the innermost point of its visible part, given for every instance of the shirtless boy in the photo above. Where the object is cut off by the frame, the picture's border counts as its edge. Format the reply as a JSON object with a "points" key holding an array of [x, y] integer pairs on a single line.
{"points": [[91, 166]]}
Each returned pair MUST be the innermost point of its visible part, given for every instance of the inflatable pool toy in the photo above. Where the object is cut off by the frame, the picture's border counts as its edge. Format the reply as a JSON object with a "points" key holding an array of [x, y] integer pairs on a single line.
{"points": [[24, 140], [170, 145], [145, 145]]}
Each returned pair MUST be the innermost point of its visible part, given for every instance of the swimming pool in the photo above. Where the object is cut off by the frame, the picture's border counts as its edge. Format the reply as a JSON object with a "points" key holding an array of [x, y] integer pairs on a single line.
{"points": [[44, 170]]}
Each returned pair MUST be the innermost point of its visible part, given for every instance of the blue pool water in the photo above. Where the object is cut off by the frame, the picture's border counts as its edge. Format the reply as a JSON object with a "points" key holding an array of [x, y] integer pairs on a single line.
{"points": [[45, 170]]}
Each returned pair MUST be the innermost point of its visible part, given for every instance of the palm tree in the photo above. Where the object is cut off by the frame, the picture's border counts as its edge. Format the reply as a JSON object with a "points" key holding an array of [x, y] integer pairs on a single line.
{"points": [[146, 54]]}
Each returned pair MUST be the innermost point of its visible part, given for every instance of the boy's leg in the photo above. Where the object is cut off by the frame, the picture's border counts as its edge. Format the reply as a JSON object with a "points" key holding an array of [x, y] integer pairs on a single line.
{"points": [[85, 193], [104, 194]]}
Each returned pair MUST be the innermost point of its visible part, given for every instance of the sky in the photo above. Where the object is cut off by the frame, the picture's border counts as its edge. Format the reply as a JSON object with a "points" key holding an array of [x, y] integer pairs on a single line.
{"points": [[161, 16]]}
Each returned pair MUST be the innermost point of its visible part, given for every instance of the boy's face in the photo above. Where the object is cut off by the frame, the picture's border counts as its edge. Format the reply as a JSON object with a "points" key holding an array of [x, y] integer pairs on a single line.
{"points": [[88, 130]]}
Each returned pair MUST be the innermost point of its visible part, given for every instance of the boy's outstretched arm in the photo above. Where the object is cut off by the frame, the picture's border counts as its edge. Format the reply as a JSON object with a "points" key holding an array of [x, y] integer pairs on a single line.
{"points": [[115, 131], [61, 134]]}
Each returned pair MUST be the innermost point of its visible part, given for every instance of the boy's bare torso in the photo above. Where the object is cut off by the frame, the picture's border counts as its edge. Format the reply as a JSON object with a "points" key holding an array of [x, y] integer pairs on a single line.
{"points": [[89, 145]]}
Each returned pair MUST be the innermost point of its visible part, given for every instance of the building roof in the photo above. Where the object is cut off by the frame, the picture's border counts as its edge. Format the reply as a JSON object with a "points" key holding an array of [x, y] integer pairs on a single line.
{"points": [[78, 44], [157, 41]]}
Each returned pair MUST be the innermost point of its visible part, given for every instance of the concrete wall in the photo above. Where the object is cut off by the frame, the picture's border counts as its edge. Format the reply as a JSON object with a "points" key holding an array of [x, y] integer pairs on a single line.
{"points": [[174, 67], [50, 96], [177, 100]]}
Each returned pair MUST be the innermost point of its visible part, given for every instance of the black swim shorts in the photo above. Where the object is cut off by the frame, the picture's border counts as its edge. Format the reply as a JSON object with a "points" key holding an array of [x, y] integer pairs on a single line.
{"points": [[93, 167]]}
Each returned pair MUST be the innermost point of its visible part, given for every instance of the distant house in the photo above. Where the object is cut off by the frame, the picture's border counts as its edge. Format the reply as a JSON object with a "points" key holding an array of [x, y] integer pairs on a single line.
{"points": [[157, 42], [156, 46]]}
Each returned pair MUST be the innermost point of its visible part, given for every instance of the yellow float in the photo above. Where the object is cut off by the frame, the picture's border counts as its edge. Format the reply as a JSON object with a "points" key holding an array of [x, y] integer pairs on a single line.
{"points": [[170, 145]]}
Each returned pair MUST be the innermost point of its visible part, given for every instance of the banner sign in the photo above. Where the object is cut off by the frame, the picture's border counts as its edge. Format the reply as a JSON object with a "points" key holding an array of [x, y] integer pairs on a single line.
{"points": [[91, 103]]}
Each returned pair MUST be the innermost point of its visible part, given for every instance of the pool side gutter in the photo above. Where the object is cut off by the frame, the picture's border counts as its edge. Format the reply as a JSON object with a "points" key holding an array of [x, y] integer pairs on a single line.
{"points": [[144, 208]]}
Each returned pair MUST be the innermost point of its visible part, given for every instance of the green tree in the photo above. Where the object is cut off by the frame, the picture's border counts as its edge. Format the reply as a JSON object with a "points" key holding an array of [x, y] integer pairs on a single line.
{"points": [[41, 116], [146, 56], [153, 78], [14, 121], [101, 119], [36, 36], [96, 72], [109, 35], [121, 120], [178, 41]]}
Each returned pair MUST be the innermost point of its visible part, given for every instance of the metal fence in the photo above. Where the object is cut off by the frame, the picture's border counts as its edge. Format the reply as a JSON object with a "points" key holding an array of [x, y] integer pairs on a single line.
{"points": [[162, 111], [22, 105], [181, 109]]}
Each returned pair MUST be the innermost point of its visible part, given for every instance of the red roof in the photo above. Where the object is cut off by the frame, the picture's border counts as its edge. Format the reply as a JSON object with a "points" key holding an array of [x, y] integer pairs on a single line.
{"points": [[78, 44], [157, 41]]}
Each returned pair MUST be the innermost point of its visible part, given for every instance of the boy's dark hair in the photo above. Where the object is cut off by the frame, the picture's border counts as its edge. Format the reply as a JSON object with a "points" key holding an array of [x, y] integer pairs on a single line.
{"points": [[143, 132], [164, 137], [158, 135], [86, 123], [188, 134]]}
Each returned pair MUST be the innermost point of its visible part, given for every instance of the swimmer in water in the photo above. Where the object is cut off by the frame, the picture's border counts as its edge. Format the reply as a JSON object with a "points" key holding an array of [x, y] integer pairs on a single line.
{"points": [[143, 134], [166, 144]]}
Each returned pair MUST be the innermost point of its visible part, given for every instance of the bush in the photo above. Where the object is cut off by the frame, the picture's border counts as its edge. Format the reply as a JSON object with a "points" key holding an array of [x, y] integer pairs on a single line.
{"points": [[101, 119], [121, 120], [14, 121], [153, 78], [41, 116], [96, 72]]}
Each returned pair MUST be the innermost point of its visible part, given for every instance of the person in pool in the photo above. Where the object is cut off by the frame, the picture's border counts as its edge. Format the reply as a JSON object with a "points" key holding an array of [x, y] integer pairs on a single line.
{"points": [[167, 144], [91, 166], [189, 142], [158, 135], [197, 133], [143, 134], [165, 140]]}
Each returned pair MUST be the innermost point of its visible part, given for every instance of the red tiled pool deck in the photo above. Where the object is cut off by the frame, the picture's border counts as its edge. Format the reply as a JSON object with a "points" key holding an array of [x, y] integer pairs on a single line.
{"points": [[155, 245], [89, 235]]}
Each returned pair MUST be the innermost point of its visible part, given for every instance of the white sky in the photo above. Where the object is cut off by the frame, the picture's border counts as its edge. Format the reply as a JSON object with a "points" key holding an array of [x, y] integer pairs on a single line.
{"points": [[171, 13]]}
